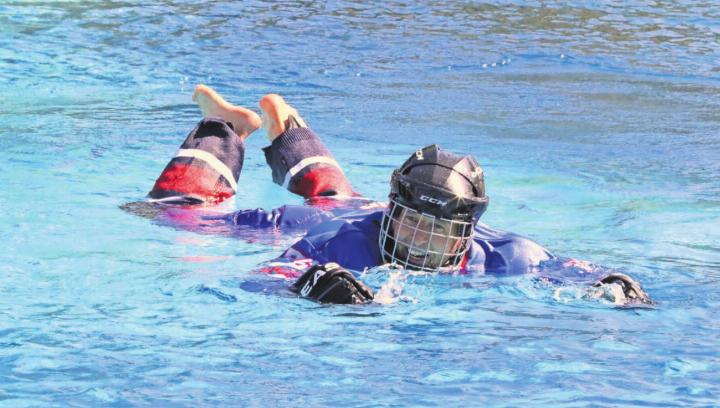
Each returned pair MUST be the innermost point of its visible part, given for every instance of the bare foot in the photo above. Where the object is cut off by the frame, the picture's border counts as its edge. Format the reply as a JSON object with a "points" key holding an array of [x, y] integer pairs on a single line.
{"points": [[275, 115], [244, 120]]}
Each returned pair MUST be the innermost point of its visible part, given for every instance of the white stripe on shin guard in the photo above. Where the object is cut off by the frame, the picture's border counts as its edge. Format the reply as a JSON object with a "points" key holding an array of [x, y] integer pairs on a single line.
{"points": [[306, 162], [211, 161]]}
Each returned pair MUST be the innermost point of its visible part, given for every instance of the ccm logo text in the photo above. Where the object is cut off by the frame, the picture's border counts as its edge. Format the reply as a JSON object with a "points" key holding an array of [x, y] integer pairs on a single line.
{"points": [[433, 200]]}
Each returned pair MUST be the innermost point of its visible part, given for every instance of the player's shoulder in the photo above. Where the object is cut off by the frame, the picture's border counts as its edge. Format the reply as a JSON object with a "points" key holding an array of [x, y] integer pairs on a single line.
{"points": [[507, 251], [484, 232]]}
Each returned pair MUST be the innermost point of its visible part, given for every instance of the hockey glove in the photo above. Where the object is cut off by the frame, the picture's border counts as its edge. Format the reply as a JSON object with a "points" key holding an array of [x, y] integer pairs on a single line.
{"points": [[628, 290], [331, 283]]}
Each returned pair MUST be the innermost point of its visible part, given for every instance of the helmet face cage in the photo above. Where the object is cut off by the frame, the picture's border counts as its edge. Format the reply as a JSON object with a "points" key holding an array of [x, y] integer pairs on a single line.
{"points": [[421, 241]]}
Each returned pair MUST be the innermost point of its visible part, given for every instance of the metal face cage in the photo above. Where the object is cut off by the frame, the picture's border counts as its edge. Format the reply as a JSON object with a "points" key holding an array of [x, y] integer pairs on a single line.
{"points": [[421, 241]]}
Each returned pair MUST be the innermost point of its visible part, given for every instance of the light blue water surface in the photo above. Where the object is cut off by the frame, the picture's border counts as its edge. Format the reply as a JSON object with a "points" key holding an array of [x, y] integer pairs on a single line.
{"points": [[596, 124]]}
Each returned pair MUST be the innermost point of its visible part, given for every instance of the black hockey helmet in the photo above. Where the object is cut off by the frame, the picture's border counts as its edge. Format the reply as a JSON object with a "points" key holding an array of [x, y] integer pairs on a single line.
{"points": [[442, 184]]}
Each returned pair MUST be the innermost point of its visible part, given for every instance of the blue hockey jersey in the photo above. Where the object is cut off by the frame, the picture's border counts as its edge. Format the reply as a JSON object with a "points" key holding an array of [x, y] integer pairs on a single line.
{"points": [[350, 238]]}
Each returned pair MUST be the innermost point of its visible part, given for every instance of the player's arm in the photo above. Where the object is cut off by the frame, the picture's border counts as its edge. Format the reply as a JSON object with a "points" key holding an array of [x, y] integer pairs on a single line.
{"points": [[285, 217], [601, 282], [514, 254]]}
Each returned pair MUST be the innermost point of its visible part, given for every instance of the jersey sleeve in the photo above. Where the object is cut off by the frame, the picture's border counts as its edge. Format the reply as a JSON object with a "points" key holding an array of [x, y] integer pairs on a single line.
{"points": [[301, 163], [514, 255], [563, 271], [503, 252], [206, 167], [285, 217]]}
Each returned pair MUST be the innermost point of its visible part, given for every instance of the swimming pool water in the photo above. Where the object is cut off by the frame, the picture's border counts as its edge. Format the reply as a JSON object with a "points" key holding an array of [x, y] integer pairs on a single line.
{"points": [[596, 124]]}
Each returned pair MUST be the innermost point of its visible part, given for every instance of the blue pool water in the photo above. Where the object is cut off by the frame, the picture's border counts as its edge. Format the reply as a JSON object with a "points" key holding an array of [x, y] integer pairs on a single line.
{"points": [[597, 125]]}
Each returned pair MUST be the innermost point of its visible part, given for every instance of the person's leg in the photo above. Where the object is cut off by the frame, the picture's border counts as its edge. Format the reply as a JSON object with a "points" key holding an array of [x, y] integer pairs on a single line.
{"points": [[208, 164], [275, 112], [244, 121], [299, 160]]}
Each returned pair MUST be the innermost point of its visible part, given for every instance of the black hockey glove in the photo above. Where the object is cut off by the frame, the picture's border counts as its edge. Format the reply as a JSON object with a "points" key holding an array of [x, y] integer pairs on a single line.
{"points": [[331, 283], [631, 289]]}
